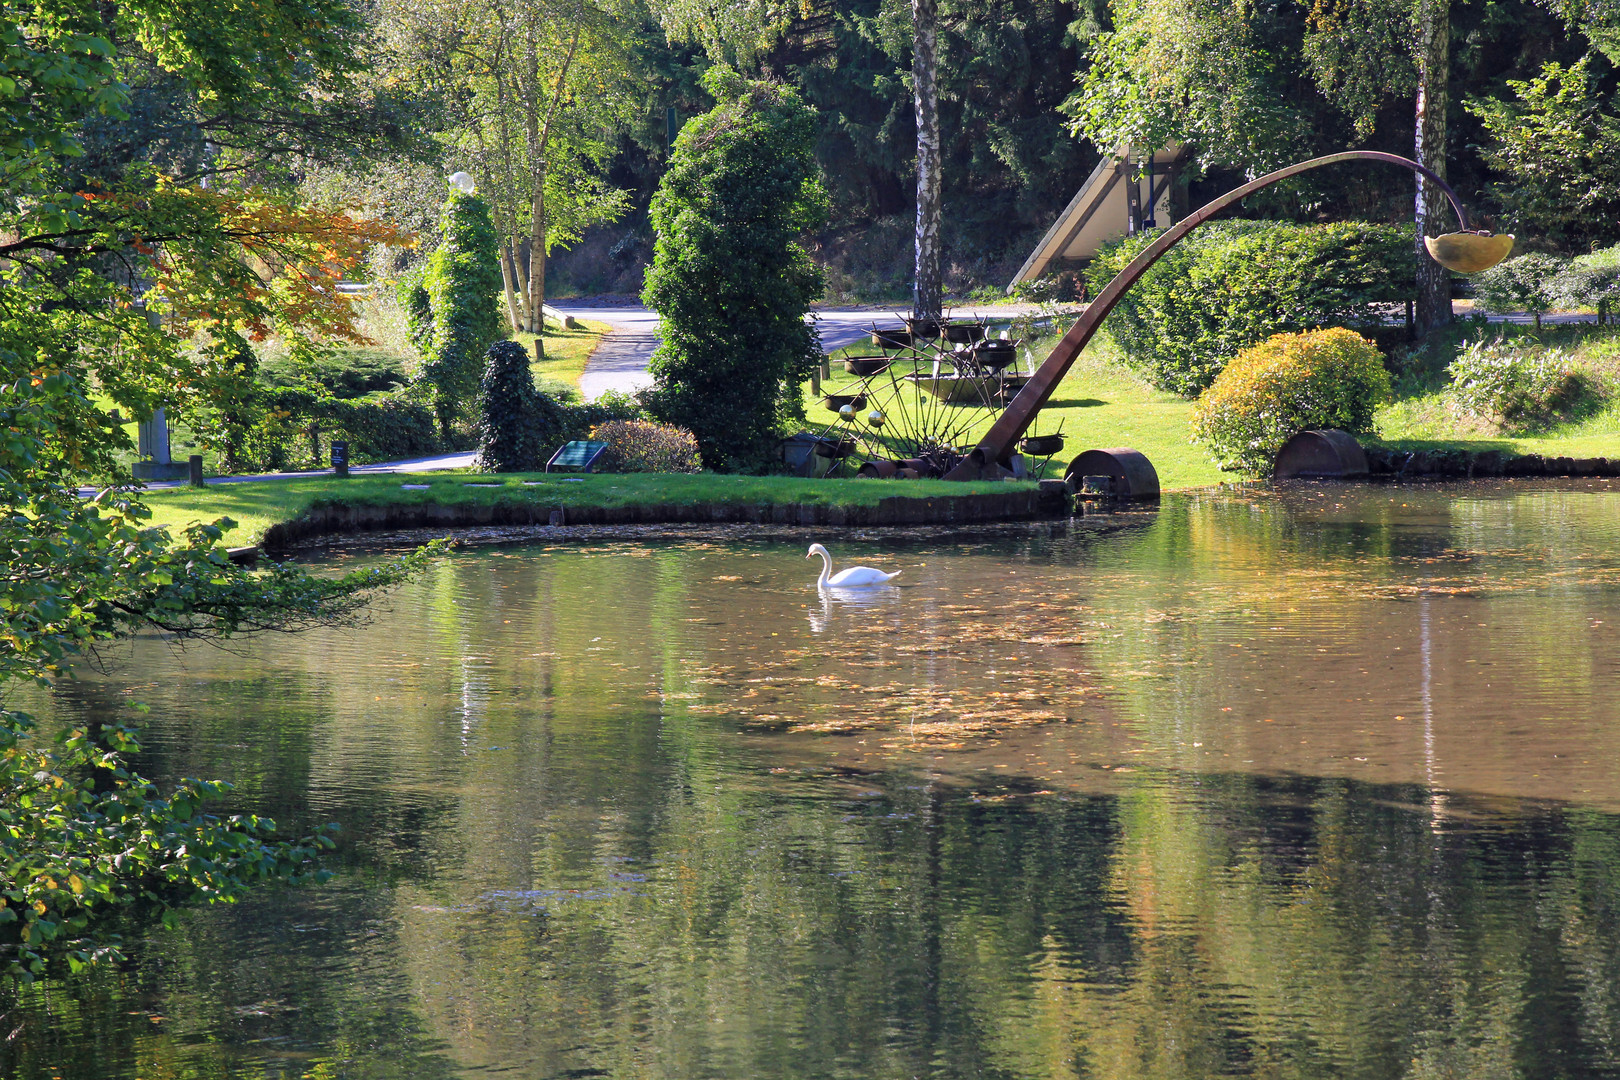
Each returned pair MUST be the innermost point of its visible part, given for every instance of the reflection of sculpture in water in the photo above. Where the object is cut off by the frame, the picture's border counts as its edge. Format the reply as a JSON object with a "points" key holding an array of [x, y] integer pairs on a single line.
{"points": [[854, 577]]}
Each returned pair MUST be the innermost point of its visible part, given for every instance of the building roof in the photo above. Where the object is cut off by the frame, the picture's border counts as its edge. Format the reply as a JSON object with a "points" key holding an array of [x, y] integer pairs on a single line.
{"points": [[1101, 210]]}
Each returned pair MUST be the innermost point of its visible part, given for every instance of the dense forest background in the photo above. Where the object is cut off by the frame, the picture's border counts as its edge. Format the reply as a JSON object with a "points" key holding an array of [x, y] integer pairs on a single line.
{"points": [[1290, 80]]}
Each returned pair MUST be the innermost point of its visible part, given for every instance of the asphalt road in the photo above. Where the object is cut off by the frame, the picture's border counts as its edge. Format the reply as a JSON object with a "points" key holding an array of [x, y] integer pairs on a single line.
{"points": [[620, 362]]}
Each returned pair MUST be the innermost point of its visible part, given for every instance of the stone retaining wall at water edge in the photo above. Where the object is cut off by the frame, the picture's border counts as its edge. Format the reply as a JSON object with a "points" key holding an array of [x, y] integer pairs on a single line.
{"points": [[1488, 463], [897, 510]]}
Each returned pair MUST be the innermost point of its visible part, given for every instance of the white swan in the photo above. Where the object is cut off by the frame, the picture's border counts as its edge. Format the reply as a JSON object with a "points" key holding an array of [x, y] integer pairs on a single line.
{"points": [[852, 577]]}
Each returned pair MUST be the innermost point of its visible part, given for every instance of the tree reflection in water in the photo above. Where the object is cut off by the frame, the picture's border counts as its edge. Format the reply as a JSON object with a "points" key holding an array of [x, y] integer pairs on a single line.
{"points": [[1225, 851]]}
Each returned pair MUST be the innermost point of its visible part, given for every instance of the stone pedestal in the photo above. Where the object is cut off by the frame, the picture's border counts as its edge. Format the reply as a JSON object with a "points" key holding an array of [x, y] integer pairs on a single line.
{"points": [[152, 440]]}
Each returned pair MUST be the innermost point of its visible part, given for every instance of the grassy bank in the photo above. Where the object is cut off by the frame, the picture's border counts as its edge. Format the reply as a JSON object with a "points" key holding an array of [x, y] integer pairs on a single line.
{"points": [[257, 506], [1101, 403], [1424, 417]]}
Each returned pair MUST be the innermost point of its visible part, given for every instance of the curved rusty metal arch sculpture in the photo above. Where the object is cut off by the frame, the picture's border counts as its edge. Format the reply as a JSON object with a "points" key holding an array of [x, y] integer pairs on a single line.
{"points": [[1463, 250]]}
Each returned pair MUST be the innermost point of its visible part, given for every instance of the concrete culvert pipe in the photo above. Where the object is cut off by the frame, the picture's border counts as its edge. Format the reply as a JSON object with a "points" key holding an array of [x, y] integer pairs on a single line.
{"points": [[1133, 474], [1326, 454]]}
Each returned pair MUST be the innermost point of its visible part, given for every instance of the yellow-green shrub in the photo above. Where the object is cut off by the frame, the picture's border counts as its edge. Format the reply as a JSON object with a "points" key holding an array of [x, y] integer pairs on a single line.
{"points": [[647, 447], [1288, 384]]}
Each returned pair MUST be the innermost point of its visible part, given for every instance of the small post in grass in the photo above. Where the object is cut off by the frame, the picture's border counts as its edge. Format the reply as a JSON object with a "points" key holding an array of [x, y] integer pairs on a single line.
{"points": [[340, 458], [195, 462]]}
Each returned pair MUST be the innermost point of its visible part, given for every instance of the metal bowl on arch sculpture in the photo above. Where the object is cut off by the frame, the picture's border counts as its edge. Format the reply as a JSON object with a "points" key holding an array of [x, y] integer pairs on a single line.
{"points": [[1469, 253]]}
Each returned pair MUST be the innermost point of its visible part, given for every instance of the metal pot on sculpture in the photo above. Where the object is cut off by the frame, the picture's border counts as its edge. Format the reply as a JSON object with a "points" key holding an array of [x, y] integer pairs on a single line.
{"points": [[921, 327], [966, 333], [866, 366], [839, 402], [1042, 445], [996, 355], [892, 339]]}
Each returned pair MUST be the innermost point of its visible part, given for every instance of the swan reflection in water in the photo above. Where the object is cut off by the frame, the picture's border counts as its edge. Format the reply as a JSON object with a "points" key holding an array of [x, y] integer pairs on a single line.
{"points": [[861, 602]]}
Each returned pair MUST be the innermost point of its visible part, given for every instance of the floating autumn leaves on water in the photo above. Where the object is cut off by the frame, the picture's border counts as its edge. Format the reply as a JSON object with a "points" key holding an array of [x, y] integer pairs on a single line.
{"points": [[909, 665]]}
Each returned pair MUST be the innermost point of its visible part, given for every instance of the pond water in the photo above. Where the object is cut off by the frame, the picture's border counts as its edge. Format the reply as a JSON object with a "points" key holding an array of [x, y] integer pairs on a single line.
{"points": [[1311, 783]]}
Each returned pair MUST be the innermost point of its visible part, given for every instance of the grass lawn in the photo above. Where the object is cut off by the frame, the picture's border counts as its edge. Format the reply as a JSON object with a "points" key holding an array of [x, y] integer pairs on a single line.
{"points": [[1102, 404], [567, 351], [258, 505]]}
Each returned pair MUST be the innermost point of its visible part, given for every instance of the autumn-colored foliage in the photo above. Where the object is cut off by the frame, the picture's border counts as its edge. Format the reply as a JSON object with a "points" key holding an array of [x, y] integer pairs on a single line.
{"points": [[253, 259], [646, 446]]}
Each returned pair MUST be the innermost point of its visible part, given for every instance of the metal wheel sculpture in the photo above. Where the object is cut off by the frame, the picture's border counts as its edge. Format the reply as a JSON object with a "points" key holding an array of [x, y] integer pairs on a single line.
{"points": [[913, 407]]}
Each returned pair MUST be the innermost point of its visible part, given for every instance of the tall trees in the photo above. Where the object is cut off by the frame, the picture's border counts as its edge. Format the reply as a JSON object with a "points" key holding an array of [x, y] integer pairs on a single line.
{"points": [[1559, 148], [1198, 72], [752, 35], [106, 267], [533, 92]]}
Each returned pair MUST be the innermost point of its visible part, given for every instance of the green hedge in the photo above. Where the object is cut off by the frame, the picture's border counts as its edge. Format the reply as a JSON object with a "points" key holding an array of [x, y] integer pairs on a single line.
{"points": [[1234, 284], [300, 426]]}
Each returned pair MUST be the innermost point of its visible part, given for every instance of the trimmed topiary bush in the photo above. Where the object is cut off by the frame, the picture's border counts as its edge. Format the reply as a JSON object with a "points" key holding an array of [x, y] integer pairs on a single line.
{"points": [[1291, 383], [1518, 387], [645, 446], [729, 278], [518, 427], [1527, 283], [463, 285], [1234, 284]]}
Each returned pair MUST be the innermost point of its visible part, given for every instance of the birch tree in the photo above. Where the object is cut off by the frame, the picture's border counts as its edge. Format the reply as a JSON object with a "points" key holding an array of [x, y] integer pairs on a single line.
{"points": [[1432, 53], [927, 289]]}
